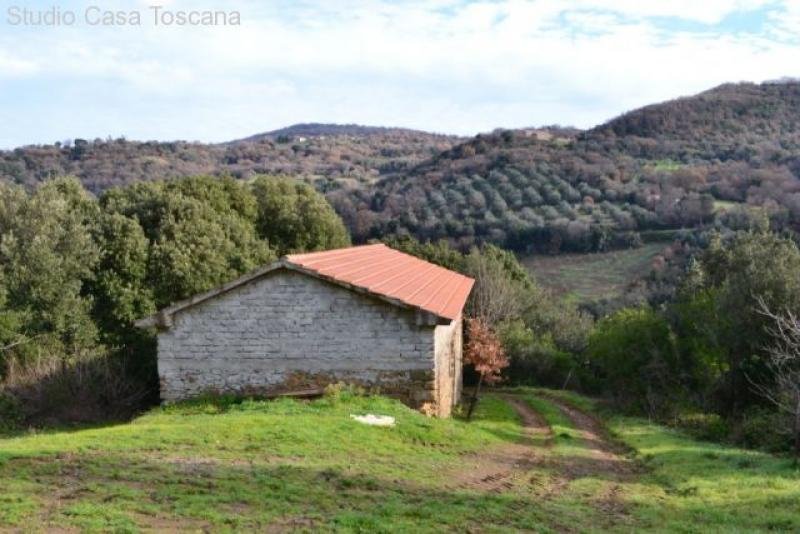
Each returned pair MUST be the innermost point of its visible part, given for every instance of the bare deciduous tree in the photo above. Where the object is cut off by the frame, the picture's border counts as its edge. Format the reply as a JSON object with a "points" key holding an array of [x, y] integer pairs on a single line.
{"points": [[495, 298], [486, 354], [782, 388]]}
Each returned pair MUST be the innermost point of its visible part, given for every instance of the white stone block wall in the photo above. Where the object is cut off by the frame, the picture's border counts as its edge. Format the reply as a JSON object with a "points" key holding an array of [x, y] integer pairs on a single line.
{"points": [[288, 330], [448, 341]]}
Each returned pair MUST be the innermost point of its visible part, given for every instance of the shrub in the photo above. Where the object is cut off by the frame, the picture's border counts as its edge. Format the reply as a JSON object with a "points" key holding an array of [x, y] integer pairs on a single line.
{"points": [[293, 217], [536, 360], [11, 415], [341, 391], [635, 362], [94, 388], [757, 429], [707, 426]]}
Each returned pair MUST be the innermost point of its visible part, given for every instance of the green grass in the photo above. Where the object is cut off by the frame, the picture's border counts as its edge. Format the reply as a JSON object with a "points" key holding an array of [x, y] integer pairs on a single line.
{"points": [[243, 467], [664, 236], [685, 485], [587, 277], [725, 205], [666, 165], [691, 485], [302, 466]]}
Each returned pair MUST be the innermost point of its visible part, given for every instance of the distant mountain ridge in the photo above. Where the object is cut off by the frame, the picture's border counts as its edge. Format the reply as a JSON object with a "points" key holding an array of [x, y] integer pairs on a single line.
{"points": [[659, 168], [678, 164], [332, 155], [317, 129], [770, 111]]}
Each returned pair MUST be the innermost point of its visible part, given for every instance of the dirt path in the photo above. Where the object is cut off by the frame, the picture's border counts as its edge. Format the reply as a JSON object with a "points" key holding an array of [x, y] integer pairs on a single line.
{"points": [[607, 459], [497, 469], [532, 421], [605, 455]]}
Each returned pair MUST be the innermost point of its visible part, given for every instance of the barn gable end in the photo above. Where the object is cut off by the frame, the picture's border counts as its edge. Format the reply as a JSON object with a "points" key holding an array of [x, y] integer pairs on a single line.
{"points": [[287, 328]]}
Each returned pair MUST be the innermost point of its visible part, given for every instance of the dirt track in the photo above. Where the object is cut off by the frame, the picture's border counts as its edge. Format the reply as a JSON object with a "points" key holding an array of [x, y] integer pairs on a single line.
{"points": [[498, 469], [609, 456]]}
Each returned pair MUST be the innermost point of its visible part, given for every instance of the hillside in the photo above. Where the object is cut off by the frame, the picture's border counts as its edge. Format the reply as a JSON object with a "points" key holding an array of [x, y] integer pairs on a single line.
{"points": [[543, 190], [316, 129], [659, 167], [347, 156], [732, 121], [530, 460]]}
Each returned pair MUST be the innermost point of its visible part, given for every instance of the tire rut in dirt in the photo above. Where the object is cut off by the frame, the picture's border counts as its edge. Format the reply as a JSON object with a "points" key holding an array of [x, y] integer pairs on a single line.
{"points": [[533, 422], [497, 470], [607, 457], [607, 460]]}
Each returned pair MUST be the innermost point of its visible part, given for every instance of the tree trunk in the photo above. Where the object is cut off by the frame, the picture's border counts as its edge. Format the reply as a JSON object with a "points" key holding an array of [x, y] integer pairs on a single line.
{"points": [[797, 432], [474, 400], [736, 385], [569, 375]]}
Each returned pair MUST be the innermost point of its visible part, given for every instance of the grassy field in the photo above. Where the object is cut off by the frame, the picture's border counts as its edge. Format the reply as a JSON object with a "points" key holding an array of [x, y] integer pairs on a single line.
{"points": [[725, 205], [683, 485], [666, 165], [592, 276], [296, 466]]}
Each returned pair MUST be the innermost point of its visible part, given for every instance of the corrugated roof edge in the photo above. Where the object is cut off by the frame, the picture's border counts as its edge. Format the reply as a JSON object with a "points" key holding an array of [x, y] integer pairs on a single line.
{"points": [[163, 317]]}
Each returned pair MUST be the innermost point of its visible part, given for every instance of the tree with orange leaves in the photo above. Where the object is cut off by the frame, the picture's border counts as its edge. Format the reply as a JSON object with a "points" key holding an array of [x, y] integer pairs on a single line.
{"points": [[485, 352]]}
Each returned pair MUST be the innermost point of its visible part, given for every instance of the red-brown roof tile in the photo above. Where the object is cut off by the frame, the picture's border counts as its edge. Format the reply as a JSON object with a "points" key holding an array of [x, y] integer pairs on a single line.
{"points": [[383, 271], [375, 269]]}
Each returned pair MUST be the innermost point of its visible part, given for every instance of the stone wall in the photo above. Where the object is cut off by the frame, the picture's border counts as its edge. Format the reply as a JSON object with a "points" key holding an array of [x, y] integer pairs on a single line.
{"points": [[448, 340], [289, 331]]}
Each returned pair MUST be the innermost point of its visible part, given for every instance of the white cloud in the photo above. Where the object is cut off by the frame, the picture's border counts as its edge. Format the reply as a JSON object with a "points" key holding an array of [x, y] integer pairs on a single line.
{"points": [[705, 11], [15, 67], [441, 65]]}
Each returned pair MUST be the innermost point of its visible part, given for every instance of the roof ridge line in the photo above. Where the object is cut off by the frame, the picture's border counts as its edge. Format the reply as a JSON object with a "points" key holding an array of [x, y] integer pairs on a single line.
{"points": [[333, 251]]}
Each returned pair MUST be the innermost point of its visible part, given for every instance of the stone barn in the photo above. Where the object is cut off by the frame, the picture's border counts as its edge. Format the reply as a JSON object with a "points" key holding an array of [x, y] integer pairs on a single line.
{"points": [[367, 315]]}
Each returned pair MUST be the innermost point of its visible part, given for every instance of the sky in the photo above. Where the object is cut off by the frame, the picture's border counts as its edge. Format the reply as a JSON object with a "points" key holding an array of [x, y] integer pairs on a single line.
{"points": [[449, 66]]}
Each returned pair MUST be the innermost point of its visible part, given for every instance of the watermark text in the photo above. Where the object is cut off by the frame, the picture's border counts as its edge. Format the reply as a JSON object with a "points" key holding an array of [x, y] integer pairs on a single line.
{"points": [[95, 15]]}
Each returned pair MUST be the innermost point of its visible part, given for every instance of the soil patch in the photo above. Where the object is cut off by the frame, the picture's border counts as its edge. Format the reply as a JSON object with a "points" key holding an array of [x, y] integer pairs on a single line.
{"points": [[498, 469]]}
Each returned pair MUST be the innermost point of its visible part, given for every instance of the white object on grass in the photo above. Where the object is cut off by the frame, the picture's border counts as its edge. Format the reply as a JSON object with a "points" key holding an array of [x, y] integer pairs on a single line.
{"points": [[374, 420]]}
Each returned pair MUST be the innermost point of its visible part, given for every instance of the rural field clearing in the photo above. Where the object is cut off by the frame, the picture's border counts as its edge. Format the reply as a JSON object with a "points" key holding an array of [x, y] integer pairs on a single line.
{"points": [[585, 277], [530, 460]]}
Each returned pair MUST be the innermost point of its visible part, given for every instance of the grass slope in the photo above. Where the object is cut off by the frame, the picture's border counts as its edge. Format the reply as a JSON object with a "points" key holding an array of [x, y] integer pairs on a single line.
{"points": [[243, 467], [691, 486], [289, 465], [587, 277]]}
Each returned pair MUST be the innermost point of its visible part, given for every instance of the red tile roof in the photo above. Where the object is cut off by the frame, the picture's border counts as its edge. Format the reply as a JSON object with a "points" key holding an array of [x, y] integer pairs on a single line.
{"points": [[374, 269], [386, 272]]}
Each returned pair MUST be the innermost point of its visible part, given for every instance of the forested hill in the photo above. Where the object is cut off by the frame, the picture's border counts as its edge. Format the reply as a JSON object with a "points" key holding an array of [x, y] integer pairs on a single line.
{"points": [[349, 156], [729, 115], [678, 164], [672, 165], [316, 129]]}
